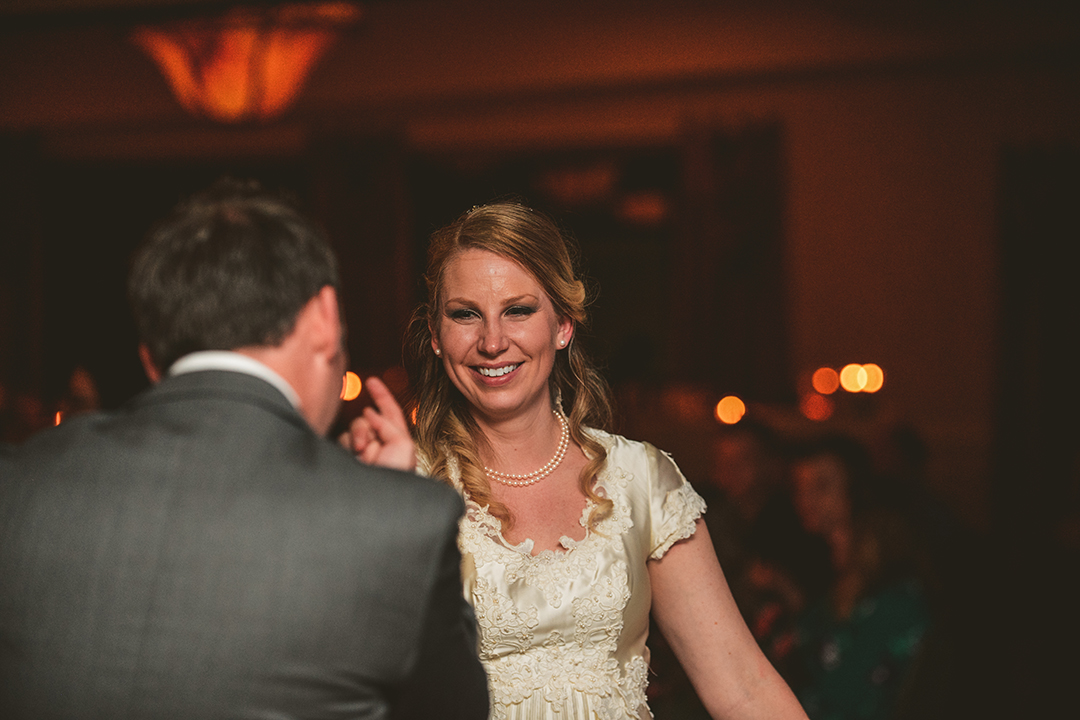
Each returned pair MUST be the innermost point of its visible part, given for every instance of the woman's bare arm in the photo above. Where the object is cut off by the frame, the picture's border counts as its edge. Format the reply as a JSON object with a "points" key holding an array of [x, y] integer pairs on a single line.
{"points": [[694, 609]]}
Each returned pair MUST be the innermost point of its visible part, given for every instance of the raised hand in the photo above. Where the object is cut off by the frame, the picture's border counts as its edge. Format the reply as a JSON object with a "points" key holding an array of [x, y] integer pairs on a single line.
{"points": [[380, 435]]}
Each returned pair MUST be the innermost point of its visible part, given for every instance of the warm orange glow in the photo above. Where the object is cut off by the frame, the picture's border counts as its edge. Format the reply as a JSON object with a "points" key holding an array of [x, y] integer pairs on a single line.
{"points": [[582, 185], [825, 381], [58, 417], [875, 378], [648, 208], [816, 407], [351, 386], [412, 416], [247, 64], [862, 378], [853, 378], [730, 410]]}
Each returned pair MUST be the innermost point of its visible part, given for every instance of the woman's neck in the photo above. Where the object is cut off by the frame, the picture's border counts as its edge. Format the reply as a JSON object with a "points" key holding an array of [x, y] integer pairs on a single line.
{"points": [[516, 444]]}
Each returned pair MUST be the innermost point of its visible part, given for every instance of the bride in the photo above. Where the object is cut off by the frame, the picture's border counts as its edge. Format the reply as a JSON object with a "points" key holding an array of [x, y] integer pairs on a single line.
{"points": [[572, 534]]}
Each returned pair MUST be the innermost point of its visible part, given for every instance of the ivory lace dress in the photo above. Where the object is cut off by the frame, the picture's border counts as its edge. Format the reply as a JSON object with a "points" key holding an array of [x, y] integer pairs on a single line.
{"points": [[562, 634]]}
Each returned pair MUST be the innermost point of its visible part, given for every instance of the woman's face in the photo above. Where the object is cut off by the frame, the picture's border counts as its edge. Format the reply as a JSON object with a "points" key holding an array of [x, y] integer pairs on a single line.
{"points": [[498, 333]]}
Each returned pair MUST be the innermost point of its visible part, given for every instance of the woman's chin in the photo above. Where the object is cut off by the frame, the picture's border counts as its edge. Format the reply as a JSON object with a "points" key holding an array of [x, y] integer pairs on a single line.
{"points": [[505, 408]]}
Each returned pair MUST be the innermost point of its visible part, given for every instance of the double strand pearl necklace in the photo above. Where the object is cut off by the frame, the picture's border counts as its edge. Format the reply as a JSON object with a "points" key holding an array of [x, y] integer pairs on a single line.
{"points": [[515, 480]]}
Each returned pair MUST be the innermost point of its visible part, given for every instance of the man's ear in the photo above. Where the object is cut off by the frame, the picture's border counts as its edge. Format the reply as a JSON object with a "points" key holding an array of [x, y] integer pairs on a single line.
{"points": [[324, 315], [149, 366]]}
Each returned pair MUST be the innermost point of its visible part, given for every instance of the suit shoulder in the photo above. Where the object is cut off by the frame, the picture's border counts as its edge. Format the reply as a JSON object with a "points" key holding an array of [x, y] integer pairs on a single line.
{"points": [[397, 488], [418, 488]]}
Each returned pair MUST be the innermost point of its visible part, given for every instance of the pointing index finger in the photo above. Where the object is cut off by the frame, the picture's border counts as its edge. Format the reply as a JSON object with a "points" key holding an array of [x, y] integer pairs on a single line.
{"points": [[385, 402]]}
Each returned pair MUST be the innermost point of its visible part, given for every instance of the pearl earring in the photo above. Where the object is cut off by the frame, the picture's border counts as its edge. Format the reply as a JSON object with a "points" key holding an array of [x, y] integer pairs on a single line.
{"points": [[562, 343], [438, 352]]}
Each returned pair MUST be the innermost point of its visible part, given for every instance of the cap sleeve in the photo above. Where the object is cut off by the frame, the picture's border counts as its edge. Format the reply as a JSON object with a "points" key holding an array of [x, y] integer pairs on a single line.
{"points": [[675, 506]]}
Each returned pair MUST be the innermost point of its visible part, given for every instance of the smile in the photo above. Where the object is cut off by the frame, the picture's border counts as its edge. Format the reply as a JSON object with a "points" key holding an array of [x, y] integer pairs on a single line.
{"points": [[497, 372]]}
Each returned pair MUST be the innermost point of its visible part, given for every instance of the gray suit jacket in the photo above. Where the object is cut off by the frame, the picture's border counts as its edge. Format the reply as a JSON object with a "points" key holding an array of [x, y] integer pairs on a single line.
{"points": [[201, 553]]}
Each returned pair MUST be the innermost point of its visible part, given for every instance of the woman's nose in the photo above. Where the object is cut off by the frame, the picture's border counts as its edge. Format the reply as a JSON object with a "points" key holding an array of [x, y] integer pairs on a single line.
{"points": [[493, 340]]}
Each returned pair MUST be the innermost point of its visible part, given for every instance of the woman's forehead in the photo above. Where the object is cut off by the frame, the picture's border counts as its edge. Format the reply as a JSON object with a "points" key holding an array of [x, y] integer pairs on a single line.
{"points": [[474, 268]]}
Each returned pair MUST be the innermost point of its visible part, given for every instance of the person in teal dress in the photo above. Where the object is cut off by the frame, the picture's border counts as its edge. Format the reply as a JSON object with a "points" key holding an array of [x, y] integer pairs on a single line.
{"points": [[857, 647]]}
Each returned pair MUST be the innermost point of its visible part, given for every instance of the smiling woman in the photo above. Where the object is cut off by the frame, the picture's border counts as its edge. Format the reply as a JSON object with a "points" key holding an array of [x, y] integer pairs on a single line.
{"points": [[491, 350], [498, 333], [572, 534]]}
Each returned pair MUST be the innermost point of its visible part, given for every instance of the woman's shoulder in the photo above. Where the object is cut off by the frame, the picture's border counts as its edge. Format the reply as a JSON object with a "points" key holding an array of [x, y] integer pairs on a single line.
{"points": [[615, 442], [637, 457], [620, 447]]}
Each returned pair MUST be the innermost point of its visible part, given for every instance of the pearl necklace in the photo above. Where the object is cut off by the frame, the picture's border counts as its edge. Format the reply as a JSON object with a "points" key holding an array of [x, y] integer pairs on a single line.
{"points": [[515, 480]]}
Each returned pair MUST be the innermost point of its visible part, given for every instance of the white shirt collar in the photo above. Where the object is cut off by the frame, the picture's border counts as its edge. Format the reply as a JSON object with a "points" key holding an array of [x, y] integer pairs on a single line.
{"points": [[233, 362]]}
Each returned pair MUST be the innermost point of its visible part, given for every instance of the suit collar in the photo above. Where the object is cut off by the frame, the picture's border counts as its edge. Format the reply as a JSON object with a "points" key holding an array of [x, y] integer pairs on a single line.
{"points": [[223, 384], [234, 362]]}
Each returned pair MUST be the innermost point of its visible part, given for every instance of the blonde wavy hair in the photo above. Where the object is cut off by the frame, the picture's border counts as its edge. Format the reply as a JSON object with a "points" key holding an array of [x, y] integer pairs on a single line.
{"points": [[444, 427]]}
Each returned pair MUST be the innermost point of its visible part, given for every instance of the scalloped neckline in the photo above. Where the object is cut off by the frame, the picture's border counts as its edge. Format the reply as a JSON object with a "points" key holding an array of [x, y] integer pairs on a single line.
{"points": [[525, 547]]}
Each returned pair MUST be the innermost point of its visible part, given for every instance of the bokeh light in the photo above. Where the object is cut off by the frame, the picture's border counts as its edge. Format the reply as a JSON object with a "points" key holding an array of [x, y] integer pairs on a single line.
{"points": [[351, 386], [825, 381], [853, 378], [816, 407], [862, 378], [875, 378], [730, 410]]}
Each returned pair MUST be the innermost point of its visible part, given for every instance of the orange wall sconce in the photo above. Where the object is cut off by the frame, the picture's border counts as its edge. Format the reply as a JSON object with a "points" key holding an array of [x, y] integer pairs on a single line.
{"points": [[249, 63]]}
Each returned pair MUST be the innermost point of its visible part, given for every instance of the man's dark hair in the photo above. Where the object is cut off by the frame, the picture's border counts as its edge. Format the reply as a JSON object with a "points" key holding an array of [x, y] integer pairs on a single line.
{"points": [[231, 267]]}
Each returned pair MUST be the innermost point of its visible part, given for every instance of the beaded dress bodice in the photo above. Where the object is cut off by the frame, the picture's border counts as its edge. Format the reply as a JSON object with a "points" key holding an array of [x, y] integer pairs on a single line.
{"points": [[562, 633]]}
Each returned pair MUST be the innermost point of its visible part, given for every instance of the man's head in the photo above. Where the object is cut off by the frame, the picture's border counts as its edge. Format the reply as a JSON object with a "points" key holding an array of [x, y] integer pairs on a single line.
{"points": [[235, 268]]}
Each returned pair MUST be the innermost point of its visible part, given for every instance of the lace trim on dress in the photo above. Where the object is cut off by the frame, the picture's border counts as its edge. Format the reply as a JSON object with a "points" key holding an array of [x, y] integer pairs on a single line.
{"points": [[515, 624], [549, 570], [634, 682], [682, 507], [584, 663], [575, 670]]}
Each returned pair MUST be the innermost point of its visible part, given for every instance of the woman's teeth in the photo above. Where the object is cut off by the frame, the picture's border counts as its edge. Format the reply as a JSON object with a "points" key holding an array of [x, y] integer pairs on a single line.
{"points": [[498, 372]]}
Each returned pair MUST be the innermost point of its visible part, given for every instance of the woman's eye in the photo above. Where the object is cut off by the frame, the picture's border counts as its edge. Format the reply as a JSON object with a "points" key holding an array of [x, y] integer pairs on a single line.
{"points": [[462, 314], [520, 310]]}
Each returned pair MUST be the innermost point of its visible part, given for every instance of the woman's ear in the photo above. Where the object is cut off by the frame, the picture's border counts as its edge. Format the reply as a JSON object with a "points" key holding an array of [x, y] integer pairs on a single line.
{"points": [[434, 342], [565, 332]]}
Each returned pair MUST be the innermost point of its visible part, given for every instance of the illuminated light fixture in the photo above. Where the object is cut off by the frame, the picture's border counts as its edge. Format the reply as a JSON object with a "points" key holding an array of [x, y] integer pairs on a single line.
{"points": [[825, 381], [816, 407], [730, 410], [248, 63], [862, 378], [351, 386]]}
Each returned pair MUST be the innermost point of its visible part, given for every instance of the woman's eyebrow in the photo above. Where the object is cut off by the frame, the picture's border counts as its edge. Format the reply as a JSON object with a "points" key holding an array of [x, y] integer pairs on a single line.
{"points": [[527, 297]]}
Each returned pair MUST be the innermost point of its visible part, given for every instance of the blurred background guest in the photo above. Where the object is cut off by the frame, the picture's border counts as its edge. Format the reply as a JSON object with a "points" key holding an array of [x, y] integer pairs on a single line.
{"points": [[774, 565], [857, 646]]}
